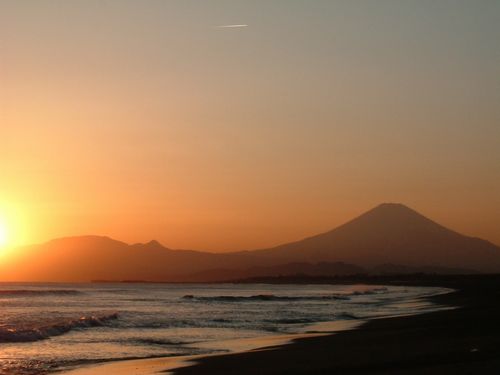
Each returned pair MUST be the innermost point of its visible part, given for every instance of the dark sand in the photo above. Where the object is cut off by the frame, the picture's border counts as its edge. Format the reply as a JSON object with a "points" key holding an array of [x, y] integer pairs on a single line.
{"points": [[465, 340]]}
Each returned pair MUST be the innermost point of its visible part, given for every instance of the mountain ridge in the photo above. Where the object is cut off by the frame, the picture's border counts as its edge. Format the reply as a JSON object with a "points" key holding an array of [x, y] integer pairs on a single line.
{"points": [[390, 233]]}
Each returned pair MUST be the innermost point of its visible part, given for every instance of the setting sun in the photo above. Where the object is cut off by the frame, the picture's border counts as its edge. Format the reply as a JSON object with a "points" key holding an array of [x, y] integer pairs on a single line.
{"points": [[201, 181], [14, 222]]}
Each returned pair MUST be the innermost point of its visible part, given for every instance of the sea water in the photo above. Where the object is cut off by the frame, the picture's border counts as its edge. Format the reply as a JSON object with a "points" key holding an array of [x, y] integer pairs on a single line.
{"points": [[51, 327]]}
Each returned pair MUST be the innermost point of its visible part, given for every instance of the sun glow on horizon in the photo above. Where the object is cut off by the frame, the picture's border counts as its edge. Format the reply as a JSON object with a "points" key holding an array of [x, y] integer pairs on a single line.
{"points": [[12, 225], [4, 238], [244, 125]]}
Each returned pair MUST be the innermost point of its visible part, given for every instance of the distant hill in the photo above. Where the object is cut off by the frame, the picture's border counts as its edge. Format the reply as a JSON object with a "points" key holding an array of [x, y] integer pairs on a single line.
{"points": [[88, 258], [391, 238], [392, 234]]}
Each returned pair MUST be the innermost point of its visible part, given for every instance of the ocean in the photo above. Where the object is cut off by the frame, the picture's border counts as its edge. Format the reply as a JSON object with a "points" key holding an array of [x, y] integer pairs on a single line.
{"points": [[51, 327]]}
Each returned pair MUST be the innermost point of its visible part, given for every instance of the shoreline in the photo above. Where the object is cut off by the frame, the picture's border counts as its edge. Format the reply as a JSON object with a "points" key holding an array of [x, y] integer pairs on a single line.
{"points": [[462, 340], [149, 366], [168, 365], [173, 364]]}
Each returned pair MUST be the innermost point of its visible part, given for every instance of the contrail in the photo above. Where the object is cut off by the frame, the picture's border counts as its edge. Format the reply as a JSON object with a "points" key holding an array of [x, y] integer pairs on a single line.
{"points": [[231, 26]]}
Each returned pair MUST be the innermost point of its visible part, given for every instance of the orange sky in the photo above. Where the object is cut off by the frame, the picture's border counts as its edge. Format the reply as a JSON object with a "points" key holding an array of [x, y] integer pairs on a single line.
{"points": [[148, 121]]}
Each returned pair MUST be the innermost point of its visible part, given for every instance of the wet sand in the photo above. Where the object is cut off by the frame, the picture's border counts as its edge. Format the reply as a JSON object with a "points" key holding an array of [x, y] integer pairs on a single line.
{"points": [[152, 366], [464, 340], [164, 364]]}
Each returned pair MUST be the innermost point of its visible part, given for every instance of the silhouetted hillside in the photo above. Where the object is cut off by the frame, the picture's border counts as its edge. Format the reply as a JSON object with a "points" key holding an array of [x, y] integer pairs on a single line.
{"points": [[392, 233], [391, 238], [88, 258]]}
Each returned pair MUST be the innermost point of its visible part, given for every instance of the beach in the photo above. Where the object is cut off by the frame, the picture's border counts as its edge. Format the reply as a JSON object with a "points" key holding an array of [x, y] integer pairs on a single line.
{"points": [[462, 340], [249, 187], [71, 326], [171, 364]]}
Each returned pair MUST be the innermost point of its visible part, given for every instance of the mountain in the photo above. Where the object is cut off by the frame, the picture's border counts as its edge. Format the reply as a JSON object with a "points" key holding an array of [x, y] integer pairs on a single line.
{"points": [[392, 233], [86, 258], [390, 238]]}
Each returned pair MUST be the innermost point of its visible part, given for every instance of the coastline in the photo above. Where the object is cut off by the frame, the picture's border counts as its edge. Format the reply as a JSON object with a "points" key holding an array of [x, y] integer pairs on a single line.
{"points": [[463, 340], [229, 348], [149, 366]]}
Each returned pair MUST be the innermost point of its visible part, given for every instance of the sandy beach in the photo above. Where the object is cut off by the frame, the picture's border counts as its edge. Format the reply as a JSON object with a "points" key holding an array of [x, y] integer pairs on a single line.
{"points": [[460, 340], [464, 340], [167, 364], [279, 187], [152, 366]]}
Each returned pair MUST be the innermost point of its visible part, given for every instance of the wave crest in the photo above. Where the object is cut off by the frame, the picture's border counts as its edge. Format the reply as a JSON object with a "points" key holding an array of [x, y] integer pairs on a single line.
{"points": [[272, 297], [56, 329]]}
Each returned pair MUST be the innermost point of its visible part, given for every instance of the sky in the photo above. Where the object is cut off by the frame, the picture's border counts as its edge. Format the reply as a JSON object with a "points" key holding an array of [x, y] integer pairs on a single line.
{"points": [[146, 120]]}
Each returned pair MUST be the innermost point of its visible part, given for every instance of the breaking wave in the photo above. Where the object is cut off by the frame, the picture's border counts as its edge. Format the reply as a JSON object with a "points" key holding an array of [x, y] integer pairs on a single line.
{"points": [[44, 332], [272, 297]]}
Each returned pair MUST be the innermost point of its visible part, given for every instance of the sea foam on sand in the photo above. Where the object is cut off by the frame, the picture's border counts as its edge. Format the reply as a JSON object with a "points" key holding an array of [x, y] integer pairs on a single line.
{"points": [[151, 366]]}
